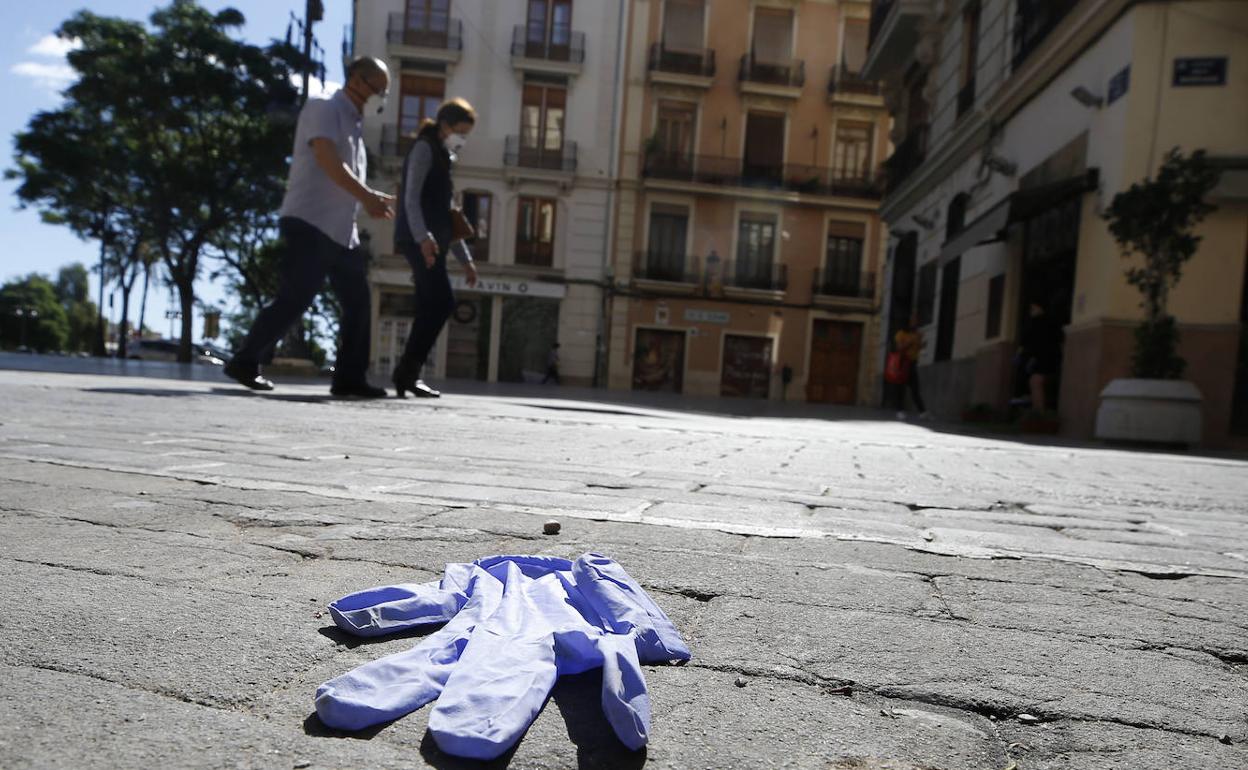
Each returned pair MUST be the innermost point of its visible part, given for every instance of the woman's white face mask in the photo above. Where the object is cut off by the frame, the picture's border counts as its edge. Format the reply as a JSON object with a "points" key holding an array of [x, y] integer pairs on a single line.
{"points": [[455, 143]]}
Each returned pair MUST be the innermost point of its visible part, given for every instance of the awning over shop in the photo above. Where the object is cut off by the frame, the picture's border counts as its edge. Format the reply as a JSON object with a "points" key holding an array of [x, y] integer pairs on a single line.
{"points": [[1017, 207]]}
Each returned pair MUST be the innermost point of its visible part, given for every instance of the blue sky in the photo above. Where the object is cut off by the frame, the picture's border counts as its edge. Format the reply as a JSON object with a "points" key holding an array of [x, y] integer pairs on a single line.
{"points": [[35, 71]]}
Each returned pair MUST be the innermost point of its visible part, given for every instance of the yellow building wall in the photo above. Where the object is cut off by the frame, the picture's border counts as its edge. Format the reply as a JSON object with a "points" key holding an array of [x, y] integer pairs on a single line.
{"points": [[1213, 118]]}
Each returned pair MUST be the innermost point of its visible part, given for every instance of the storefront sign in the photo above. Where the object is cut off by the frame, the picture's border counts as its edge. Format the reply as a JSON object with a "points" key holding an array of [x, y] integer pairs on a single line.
{"points": [[509, 286], [1203, 71], [707, 316], [1119, 84]]}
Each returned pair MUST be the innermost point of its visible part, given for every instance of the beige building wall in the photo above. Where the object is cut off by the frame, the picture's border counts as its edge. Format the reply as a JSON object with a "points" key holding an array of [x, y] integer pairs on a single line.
{"points": [[722, 105]]}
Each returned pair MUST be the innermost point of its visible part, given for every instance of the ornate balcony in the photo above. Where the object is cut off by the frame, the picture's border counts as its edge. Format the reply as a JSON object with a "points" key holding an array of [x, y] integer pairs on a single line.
{"points": [[736, 173], [438, 42], [518, 154], [682, 68], [852, 88], [784, 79], [668, 268], [559, 52], [830, 286]]}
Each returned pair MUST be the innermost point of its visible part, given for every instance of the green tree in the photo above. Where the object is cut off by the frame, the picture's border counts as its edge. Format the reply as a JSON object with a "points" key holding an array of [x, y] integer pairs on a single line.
{"points": [[31, 315], [73, 292], [170, 134], [1155, 220]]}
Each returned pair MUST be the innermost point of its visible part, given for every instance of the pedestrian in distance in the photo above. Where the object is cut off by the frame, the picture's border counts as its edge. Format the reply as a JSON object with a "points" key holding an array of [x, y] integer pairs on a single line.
{"points": [[908, 342], [324, 193], [552, 365], [1040, 352], [427, 227]]}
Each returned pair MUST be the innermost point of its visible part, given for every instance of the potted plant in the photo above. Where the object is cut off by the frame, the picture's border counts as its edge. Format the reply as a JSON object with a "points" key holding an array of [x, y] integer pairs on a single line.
{"points": [[1153, 222]]}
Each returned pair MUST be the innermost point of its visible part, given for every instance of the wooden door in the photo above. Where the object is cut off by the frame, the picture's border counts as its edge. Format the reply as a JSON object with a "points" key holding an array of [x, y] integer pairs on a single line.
{"points": [[659, 360], [747, 366], [835, 354]]}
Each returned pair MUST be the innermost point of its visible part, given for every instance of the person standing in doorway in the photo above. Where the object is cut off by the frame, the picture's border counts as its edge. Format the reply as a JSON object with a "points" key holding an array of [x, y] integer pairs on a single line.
{"points": [[909, 343], [324, 193], [552, 365], [1041, 352], [425, 232]]}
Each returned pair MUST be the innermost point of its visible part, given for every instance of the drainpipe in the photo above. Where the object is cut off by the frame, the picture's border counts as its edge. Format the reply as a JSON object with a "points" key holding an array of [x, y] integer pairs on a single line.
{"points": [[600, 344]]}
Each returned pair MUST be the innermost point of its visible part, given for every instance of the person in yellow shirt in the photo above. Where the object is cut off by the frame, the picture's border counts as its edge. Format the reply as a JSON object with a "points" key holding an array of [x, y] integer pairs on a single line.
{"points": [[909, 342]]}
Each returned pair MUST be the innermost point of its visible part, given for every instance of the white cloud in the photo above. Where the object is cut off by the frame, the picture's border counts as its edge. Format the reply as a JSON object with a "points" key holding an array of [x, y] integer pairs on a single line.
{"points": [[50, 76], [53, 47], [315, 86]]}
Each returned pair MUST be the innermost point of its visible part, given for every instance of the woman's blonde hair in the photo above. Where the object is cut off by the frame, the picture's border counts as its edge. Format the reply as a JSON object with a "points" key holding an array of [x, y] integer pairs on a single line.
{"points": [[452, 112]]}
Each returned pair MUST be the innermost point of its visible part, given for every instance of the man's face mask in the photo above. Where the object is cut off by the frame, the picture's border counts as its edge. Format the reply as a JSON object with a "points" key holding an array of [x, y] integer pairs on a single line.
{"points": [[379, 98], [455, 143]]}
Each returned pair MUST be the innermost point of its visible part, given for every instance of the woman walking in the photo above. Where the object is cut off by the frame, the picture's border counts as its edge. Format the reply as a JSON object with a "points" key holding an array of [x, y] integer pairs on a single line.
{"points": [[425, 229]]}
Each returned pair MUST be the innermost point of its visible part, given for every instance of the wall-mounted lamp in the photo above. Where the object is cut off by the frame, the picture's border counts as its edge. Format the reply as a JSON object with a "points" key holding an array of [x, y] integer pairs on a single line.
{"points": [[1086, 98], [1000, 165]]}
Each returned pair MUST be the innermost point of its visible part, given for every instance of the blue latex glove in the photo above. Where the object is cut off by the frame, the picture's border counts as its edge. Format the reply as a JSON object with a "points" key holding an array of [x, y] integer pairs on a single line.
{"points": [[513, 625]]}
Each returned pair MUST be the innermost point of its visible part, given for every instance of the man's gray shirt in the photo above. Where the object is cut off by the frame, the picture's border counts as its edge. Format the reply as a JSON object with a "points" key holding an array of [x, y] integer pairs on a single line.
{"points": [[310, 194]]}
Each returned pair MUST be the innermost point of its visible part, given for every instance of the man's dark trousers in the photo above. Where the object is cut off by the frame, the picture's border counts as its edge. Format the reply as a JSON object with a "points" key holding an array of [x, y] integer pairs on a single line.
{"points": [[310, 256], [434, 302]]}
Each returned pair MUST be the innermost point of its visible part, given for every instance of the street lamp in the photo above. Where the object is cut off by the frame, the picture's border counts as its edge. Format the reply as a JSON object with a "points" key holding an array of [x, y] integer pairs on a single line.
{"points": [[24, 313]]}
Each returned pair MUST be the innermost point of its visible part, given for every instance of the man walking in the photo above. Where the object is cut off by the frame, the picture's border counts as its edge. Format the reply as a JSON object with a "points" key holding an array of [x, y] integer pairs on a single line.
{"points": [[324, 193]]}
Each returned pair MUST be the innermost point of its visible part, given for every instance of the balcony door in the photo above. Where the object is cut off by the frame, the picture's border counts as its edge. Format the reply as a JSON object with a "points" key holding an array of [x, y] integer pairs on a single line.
{"points": [[842, 265], [419, 98], [427, 23], [674, 132], [541, 125], [548, 32], [773, 36], [756, 250], [764, 147], [535, 232], [851, 154], [854, 49], [669, 230]]}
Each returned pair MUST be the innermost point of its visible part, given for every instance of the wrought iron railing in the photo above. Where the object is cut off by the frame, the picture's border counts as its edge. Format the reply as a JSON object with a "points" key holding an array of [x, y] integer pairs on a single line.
{"points": [[764, 276], [446, 34], [734, 172], [560, 44], [673, 268], [906, 159], [698, 63], [847, 82], [790, 74], [526, 155], [837, 282]]}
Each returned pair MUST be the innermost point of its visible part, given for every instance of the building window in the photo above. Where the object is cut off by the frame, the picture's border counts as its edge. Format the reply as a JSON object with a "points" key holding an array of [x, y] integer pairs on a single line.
{"points": [[674, 131], [756, 247], [851, 154], [946, 327], [970, 57], [419, 99], [955, 221], [927, 293], [773, 36], [669, 230], [996, 306], [535, 232], [427, 23], [548, 28], [478, 206], [842, 266], [683, 25], [764, 147], [541, 125], [854, 49]]}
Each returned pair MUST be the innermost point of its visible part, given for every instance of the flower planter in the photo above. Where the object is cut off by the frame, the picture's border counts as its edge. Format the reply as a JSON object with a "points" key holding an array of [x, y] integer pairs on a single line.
{"points": [[1150, 411]]}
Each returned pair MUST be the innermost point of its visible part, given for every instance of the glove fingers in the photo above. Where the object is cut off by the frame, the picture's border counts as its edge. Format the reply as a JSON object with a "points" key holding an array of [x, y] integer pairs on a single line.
{"points": [[625, 700], [390, 687], [494, 695]]}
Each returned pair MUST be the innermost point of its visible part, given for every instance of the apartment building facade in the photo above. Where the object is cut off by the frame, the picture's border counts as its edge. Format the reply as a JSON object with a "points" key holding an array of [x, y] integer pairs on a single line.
{"points": [[1015, 124], [746, 234], [534, 178]]}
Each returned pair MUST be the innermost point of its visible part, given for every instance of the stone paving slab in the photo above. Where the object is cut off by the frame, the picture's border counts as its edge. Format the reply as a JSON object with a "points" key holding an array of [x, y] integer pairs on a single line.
{"points": [[857, 593]]}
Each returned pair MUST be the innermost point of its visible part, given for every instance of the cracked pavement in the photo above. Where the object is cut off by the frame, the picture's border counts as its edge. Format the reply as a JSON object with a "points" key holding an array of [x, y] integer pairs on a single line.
{"points": [[857, 593]]}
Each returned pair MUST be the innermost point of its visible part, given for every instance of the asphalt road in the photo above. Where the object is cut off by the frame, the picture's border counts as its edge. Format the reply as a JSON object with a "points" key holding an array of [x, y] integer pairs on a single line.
{"points": [[857, 593]]}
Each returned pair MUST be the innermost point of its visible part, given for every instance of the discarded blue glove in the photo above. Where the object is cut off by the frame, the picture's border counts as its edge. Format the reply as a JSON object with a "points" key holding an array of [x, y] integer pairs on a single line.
{"points": [[513, 625]]}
